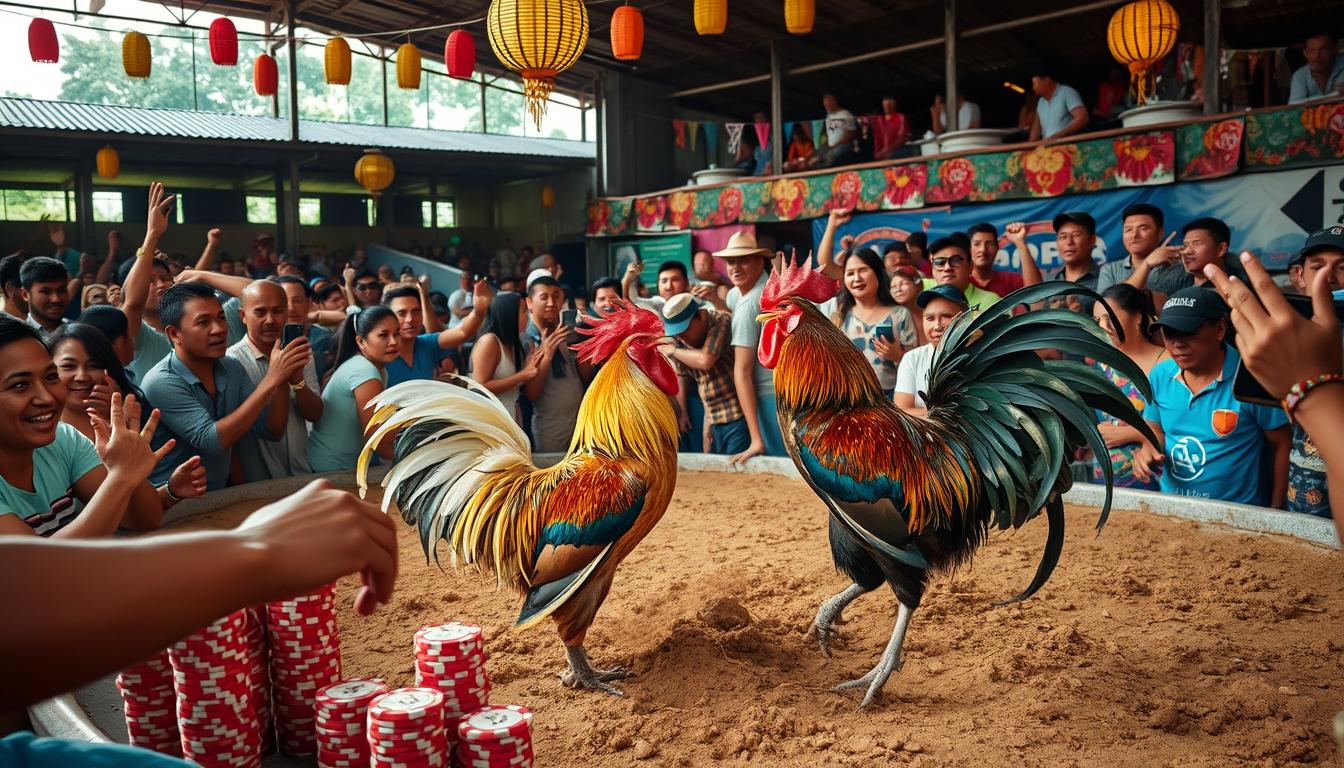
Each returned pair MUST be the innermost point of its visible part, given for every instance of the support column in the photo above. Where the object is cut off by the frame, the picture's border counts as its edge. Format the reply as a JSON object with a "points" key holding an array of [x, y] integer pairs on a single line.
{"points": [[777, 109], [382, 53], [291, 44], [950, 63], [292, 209], [282, 240], [1213, 54], [84, 207], [484, 125], [600, 162], [433, 210]]}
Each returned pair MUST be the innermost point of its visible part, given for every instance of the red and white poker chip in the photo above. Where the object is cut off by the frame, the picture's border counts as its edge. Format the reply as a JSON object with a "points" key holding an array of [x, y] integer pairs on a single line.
{"points": [[215, 710], [150, 705], [405, 729], [305, 656], [451, 658], [340, 713], [495, 737]]}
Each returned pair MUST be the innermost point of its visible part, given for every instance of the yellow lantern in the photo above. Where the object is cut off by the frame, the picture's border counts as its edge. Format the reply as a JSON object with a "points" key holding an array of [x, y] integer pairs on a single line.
{"points": [[1139, 35], [408, 67], [108, 162], [337, 61], [799, 15], [374, 171], [711, 16], [538, 39], [135, 56], [548, 196]]}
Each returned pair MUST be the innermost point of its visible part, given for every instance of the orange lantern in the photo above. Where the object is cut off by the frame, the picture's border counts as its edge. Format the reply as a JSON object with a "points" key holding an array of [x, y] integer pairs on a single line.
{"points": [[627, 33], [799, 15], [337, 61], [408, 67], [135, 55], [223, 42], [42, 43], [538, 39], [265, 75], [1139, 35], [374, 171], [548, 196], [459, 54], [711, 16], [108, 163]]}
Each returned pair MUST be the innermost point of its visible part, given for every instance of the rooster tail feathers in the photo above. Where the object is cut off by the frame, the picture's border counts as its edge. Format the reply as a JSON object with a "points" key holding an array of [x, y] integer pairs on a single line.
{"points": [[1054, 545]]}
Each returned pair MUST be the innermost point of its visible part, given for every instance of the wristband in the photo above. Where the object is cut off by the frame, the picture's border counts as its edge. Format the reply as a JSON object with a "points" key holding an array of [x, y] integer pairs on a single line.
{"points": [[169, 490], [1299, 391]]}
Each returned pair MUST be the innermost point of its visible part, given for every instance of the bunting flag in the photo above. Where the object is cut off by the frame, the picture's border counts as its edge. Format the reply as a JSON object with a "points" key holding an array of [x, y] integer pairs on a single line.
{"points": [[693, 127], [788, 132], [763, 134], [818, 133], [712, 140], [679, 132], [734, 136]]}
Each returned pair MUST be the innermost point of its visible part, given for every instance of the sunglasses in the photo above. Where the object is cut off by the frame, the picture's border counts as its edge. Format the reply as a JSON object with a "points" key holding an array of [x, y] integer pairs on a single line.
{"points": [[948, 261], [366, 286]]}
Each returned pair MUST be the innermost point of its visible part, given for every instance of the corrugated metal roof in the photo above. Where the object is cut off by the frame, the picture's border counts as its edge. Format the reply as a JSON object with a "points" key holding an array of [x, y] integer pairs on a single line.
{"points": [[180, 123]]}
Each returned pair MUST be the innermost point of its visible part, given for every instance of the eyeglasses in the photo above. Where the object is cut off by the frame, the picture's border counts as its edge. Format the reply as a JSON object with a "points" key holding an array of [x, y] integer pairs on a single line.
{"points": [[366, 286], [948, 261]]}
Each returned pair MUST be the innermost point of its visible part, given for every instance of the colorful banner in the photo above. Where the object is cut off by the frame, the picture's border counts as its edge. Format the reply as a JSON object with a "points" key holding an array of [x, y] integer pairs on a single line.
{"points": [[650, 252], [1299, 135], [1208, 150], [610, 216]]}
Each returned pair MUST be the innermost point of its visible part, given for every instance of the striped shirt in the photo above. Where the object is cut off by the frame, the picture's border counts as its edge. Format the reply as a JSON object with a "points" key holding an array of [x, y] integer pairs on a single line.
{"points": [[716, 385]]}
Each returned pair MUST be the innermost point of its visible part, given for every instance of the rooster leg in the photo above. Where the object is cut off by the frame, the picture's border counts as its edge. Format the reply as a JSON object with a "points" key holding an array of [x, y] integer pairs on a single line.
{"points": [[829, 615], [891, 660], [582, 675]]}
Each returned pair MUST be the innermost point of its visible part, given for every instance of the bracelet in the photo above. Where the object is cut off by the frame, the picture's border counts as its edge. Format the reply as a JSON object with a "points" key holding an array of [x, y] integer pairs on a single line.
{"points": [[1299, 391], [169, 490]]}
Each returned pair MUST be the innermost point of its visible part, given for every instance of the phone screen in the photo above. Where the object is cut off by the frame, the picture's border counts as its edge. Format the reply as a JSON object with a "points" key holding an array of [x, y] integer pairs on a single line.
{"points": [[569, 317], [292, 331], [1245, 387], [886, 333]]}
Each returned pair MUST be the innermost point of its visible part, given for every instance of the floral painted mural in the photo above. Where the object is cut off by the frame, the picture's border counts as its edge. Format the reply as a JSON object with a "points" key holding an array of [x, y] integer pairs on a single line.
{"points": [[1208, 150], [1301, 135]]}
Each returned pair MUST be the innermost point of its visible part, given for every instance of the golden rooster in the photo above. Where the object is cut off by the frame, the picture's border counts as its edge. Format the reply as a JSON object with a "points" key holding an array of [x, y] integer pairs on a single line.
{"points": [[911, 496], [463, 473]]}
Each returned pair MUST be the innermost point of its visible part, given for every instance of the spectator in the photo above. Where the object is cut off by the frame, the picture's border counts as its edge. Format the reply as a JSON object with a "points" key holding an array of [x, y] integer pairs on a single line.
{"points": [[1133, 334], [606, 293], [1112, 98], [112, 323], [952, 265], [207, 401], [386, 276], [672, 280], [968, 114], [93, 295], [460, 304], [710, 285], [1026, 114], [53, 481], [265, 309], [505, 257], [314, 285], [906, 285], [300, 304], [762, 153], [841, 131], [14, 304], [1060, 110], [1205, 241], [330, 297], [1075, 238], [557, 390], [1322, 75], [985, 251], [498, 352], [264, 257], [1323, 252], [525, 256], [753, 382], [700, 348], [939, 305], [865, 311], [362, 289], [1212, 443], [895, 257], [891, 131], [366, 342], [917, 245], [145, 278], [1142, 234], [801, 149], [419, 351], [46, 289], [508, 284]]}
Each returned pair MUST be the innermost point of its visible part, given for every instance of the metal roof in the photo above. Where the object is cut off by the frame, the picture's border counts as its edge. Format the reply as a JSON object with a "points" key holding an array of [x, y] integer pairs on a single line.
{"points": [[34, 114]]}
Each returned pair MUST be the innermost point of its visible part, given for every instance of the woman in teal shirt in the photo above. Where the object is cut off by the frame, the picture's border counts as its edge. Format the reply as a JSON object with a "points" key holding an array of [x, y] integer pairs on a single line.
{"points": [[366, 343]]}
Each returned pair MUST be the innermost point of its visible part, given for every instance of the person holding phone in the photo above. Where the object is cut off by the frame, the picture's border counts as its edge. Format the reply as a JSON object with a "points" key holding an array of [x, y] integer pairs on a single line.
{"points": [[866, 312]]}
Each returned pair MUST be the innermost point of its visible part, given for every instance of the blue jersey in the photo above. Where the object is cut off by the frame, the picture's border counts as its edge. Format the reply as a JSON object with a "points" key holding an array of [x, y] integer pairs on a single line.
{"points": [[425, 358], [1214, 442]]}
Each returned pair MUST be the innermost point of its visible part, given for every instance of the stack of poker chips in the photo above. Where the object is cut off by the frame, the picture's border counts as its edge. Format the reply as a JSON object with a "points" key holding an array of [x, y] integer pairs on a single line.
{"points": [[305, 655], [342, 722], [150, 703], [405, 729], [451, 659], [260, 676], [212, 678], [495, 737]]}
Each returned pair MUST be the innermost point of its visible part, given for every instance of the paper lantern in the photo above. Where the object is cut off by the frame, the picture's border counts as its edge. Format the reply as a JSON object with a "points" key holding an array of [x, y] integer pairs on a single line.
{"points": [[337, 61], [1139, 35], [548, 196], [108, 163], [265, 75], [538, 39], [627, 33], [223, 43], [711, 16], [408, 67], [799, 15], [42, 43], [135, 56], [459, 54], [374, 171]]}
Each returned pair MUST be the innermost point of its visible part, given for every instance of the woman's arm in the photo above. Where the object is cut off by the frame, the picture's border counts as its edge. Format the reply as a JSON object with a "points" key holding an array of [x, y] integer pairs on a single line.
{"points": [[363, 394], [485, 361], [826, 248]]}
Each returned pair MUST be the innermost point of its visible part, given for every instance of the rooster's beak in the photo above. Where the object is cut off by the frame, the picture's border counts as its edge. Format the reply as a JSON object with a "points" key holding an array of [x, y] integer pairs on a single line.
{"points": [[761, 318]]}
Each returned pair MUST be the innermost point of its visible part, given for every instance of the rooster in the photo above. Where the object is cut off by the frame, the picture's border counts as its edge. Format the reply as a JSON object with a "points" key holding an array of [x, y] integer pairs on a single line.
{"points": [[909, 496], [462, 473]]}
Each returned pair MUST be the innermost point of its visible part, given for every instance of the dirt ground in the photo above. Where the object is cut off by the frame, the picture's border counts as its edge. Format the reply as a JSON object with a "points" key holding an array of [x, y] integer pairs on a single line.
{"points": [[1159, 643]]}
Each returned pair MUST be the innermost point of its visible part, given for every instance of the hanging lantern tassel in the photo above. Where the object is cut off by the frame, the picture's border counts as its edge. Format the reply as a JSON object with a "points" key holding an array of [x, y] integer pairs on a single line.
{"points": [[374, 171], [799, 15], [336, 61], [627, 33], [408, 67], [42, 43], [265, 75], [538, 39], [459, 54], [223, 42], [1139, 35], [135, 55], [108, 163]]}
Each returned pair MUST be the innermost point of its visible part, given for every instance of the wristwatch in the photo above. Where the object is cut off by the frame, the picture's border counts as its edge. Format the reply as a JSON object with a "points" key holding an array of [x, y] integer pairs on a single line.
{"points": [[299, 386]]}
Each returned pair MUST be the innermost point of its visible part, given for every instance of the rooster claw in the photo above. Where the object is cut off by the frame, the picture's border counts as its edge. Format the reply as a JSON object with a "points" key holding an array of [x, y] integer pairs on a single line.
{"points": [[582, 675], [826, 635]]}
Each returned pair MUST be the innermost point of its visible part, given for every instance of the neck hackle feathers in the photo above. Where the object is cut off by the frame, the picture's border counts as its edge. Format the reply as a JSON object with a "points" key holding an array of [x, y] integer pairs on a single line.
{"points": [[794, 278], [606, 333]]}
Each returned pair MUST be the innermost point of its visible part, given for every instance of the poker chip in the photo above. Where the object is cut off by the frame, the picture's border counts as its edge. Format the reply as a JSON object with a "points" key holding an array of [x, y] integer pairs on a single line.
{"points": [[215, 709], [304, 652], [495, 737], [340, 715], [451, 659], [150, 705], [406, 729]]}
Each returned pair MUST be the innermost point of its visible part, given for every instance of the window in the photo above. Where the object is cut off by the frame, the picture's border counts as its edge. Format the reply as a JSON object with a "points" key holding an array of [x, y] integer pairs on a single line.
{"points": [[310, 211], [260, 209], [177, 206], [371, 205], [107, 207], [33, 204], [447, 210]]}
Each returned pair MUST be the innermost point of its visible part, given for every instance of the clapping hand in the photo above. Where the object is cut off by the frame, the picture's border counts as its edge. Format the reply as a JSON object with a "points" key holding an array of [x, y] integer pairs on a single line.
{"points": [[122, 445], [188, 480]]}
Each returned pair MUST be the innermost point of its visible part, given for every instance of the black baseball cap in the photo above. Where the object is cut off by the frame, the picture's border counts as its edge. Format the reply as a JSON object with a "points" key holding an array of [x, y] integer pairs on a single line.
{"points": [[1330, 238], [1189, 308], [1081, 218], [946, 291]]}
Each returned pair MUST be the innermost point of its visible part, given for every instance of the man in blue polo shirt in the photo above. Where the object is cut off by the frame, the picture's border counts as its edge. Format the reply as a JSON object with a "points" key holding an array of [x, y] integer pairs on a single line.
{"points": [[1213, 444], [422, 352]]}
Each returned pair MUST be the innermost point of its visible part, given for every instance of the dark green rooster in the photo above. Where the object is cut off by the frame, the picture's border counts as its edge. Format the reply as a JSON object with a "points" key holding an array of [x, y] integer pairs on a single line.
{"points": [[911, 496]]}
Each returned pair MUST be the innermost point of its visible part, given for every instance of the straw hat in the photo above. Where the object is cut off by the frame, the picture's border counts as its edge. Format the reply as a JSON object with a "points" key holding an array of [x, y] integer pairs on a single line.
{"points": [[742, 244]]}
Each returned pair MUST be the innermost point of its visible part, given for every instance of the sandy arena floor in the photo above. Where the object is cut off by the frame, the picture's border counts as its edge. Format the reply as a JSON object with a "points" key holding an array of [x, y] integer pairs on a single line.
{"points": [[1160, 643]]}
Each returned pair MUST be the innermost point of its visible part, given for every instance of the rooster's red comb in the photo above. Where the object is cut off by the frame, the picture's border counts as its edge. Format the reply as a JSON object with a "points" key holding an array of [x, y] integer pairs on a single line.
{"points": [[606, 333], [796, 279]]}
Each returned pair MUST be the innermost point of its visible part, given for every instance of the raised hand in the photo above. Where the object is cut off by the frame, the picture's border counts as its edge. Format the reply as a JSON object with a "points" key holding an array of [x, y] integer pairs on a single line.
{"points": [[188, 480], [481, 295], [212, 237], [1163, 254], [159, 205], [287, 363], [348, 275], [114, 295], [122, 445], [839, 216], [1017, 234]]}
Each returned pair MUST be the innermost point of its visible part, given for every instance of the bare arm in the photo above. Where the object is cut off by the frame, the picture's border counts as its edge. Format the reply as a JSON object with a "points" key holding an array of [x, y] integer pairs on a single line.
{"points": [[485, 357], [327, 316], [136, 289], [744, 362], [1078, 122], [363, 394], [481, 295], [309, 403], [431, 318], [826, 248], [207, 260], [1280, 442], [906, 402], [105, 269], [230, 284], [699, 359], [1035, 133]]}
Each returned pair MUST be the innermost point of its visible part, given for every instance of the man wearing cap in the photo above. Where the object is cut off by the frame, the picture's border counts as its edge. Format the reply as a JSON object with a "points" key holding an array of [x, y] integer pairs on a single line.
{"points": [[754, 383], [940, 304], [951, 260], [701, 349], [557, 390], [1212, 444], [1075, 237], [1142, 234]]}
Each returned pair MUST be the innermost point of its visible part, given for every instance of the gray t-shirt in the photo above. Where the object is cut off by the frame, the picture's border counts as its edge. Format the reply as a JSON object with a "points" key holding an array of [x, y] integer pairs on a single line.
{"points": [[266, 459], [1054, 112], [556, 410], [747, 332], [151, 346]]}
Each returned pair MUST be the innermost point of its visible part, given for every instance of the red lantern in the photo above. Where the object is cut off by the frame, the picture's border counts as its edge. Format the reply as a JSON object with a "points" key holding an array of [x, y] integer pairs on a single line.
{"points": [[459, 54], [265, 75], [627, 33], [42, 43], [223, 42]]}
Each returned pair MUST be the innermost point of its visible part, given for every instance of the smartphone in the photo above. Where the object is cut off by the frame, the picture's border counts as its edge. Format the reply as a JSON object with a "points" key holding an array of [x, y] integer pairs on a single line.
{"points": [[292, 331], [1245, 387], [569, 318], [886, 333]]}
